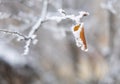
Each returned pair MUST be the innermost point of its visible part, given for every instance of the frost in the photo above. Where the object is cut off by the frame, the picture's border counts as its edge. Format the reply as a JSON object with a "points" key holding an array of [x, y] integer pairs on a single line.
{"points": [[79, 38], [31, 37], [35, 27], [62, 12], [79, 33], [27, 46], [17, 34], [65, 16]]}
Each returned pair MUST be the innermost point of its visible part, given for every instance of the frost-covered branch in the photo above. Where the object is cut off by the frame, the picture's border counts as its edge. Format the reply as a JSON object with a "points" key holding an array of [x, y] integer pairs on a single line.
{"points": [[65, 16], [43, 18], [77, 29], [36, 27], [19, 35]]}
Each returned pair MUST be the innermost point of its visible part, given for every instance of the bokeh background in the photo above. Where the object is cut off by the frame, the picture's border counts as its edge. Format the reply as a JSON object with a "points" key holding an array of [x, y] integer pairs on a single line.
{"points": [[56, 59]]}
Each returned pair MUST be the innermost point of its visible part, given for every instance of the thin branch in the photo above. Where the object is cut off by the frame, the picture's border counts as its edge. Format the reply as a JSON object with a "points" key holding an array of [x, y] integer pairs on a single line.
{"points": [[32, 37], [65, 16], [15, 33], [77, 29], [36, 27], [38, 23]]}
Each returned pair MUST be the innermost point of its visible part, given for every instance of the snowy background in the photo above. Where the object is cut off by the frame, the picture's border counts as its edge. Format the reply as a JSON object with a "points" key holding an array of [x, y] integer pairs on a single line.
{"points": [[36, 50]]}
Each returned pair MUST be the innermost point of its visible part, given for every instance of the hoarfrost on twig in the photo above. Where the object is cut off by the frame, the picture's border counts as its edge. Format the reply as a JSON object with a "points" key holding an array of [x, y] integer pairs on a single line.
{"points": [[79, 33], [31, 37], [19, 35], [65, 16], [36, 27]]}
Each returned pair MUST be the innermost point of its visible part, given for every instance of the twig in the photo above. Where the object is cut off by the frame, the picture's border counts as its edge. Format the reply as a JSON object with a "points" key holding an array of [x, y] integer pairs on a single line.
{"points": [[32, 37], [15, 33], [65, 16], [36, 27], [77, 29]]}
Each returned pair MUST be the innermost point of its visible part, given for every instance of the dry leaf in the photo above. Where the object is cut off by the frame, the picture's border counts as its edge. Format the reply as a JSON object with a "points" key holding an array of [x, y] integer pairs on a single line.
{"points": [[78, 31]]}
